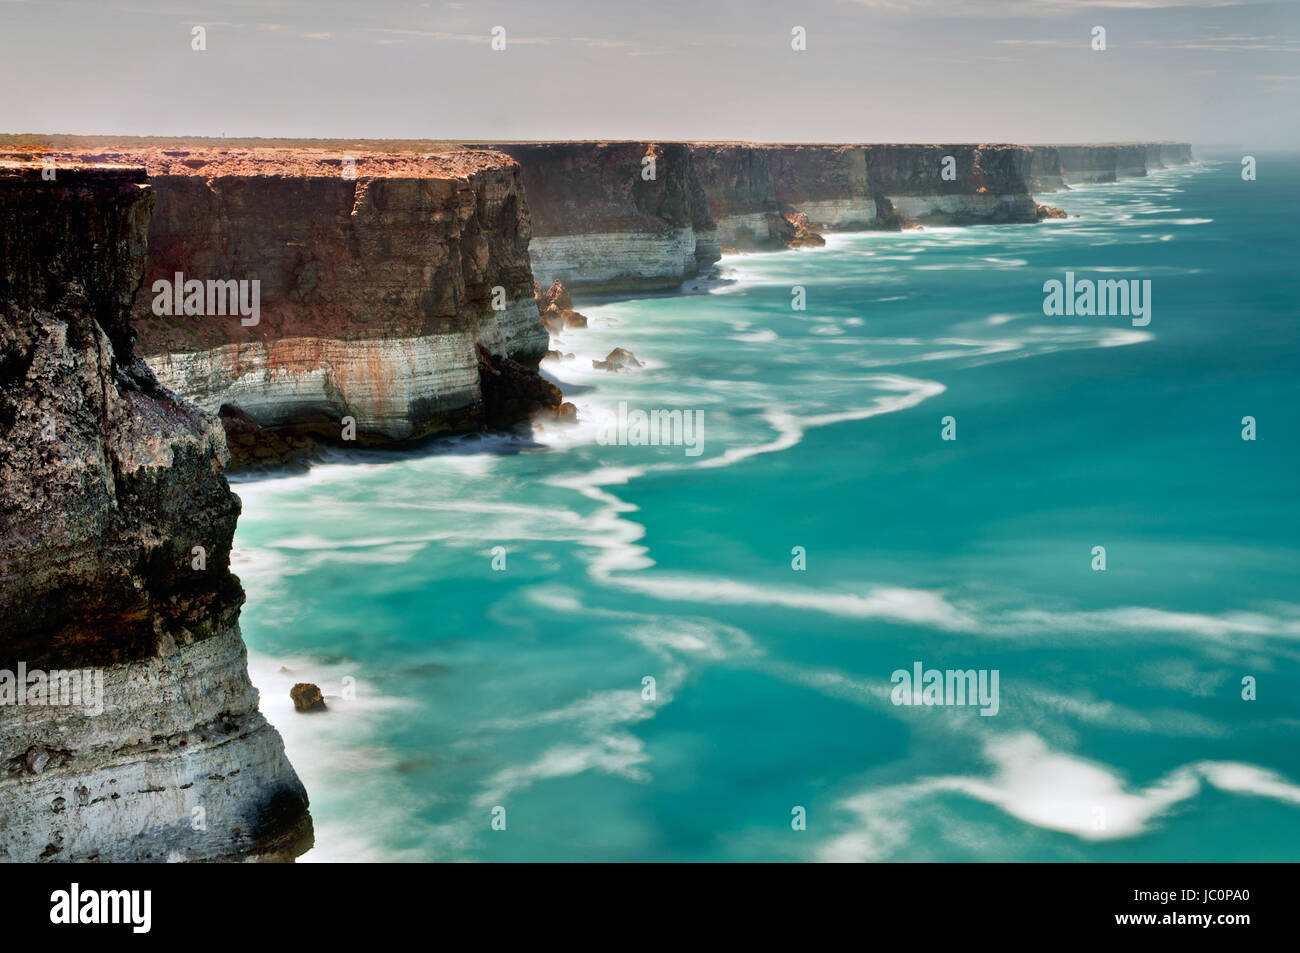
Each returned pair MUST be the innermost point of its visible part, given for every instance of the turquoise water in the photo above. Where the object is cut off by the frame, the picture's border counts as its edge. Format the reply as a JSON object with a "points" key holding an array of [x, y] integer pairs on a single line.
{"points": [[1121, 732]]}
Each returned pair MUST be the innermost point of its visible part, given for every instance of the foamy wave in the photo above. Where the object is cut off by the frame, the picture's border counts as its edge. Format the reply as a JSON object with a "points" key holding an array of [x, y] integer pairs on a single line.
{"points": [[762, 336], [1049, 790], [618, 755], [337, 753], [913, 606]]}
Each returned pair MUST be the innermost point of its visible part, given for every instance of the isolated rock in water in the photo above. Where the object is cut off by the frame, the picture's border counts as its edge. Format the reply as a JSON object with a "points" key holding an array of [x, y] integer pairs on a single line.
{"points": [[556, 308], [1050, 211], [805, 236], [567, 413], [556, 320], [556, 296], [557, 356], [617, 360], [307, 697]]}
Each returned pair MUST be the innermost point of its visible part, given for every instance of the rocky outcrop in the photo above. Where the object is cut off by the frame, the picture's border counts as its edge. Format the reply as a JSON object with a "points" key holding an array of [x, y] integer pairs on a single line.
{"points": [[805, 236], [556, 307], [513, 392], [619, 359], [307, 698], [378, 280], [115, 586], [613, 217]]}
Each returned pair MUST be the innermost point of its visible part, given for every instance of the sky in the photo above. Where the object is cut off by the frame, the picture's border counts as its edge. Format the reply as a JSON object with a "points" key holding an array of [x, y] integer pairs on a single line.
{"points": [[1213, 72]]}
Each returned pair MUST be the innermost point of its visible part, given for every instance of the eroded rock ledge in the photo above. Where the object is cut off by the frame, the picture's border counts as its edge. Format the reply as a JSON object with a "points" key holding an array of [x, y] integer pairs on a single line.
{"points": [[115, 534]]}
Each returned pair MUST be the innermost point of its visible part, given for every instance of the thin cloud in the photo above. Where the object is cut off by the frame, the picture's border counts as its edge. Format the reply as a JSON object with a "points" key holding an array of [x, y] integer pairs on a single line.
{"points": [[465, 37], [601, 43], [1012, 9]]}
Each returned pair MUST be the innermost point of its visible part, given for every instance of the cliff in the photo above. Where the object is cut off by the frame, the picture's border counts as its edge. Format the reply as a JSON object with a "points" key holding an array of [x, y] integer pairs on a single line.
{"points": [[607, 220], [394, 290], [153, 747], [1055, 167], [740, 189], [755, 192], [827, 183], [600, 226], [386, 287], [986, 183], [1101, 163]]}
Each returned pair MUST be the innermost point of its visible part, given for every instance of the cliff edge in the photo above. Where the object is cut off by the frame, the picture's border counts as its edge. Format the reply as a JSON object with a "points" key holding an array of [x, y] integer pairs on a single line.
{"points": [[317, 297]]}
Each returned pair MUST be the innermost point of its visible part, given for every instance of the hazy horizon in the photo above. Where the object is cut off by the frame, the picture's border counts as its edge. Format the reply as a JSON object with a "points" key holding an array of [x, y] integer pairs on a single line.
{"points": [[1210, 72]]}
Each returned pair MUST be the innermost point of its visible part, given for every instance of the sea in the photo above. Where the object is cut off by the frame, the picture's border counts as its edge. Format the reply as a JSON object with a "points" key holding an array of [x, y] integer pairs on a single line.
{"points": [[872, 559]]}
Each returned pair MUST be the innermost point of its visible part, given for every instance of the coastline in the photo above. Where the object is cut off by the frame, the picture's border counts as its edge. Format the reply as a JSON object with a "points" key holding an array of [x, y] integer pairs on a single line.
{"points": [[790, 432], [618, 543]]}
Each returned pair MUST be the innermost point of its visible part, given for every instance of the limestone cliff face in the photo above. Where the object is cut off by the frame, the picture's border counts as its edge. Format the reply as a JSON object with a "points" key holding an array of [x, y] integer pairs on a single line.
{"points": [[1045, 173], [1056, 167], [599, 225], [115, 534], [827, 183], [755, 190], [1101, 163], [395, 289], [757, 194], [985, 184], [603, 223], [740, 189], [379, 281]]}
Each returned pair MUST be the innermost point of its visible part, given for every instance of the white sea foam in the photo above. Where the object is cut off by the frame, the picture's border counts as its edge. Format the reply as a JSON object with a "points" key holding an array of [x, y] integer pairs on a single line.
{"points": [[1046, 789], [620, 755], [338, 751], [912, 606], [762, 336]]}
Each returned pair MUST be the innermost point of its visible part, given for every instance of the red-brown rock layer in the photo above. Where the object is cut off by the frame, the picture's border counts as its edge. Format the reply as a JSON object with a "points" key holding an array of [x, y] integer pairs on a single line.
{"points": [[378, 278]]}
